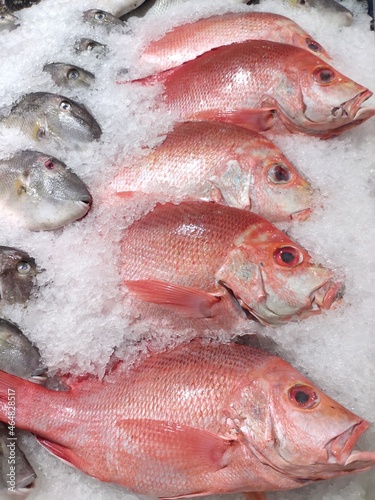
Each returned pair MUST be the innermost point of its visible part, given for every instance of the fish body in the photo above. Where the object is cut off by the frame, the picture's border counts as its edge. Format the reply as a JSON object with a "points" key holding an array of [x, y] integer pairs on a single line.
{"points": [[100, 18], [223, 163], [68, 75], [250, 83], [40, 193], [17, 275], [188, 41], [8, 21], [195, 257], [42, 115], [196, 420], [328, 8]]}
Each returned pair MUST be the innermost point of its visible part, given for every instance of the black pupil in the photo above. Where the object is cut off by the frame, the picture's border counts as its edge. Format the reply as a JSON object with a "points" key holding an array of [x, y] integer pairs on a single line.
{"points": [[325, 75], [73, 74], [281, 174], [287, 257], [313, 46], [301, 397]]}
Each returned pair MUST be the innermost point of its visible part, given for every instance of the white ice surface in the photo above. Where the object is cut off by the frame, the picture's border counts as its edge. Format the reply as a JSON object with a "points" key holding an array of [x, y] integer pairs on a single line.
{"points": [[80, 315]]}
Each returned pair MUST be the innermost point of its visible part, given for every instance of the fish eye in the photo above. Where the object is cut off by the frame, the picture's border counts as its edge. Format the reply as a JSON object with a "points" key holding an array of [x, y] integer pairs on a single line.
{"points": [[288, 256], [324, 75], [65, 105], [91, 46], [279, 173], [313, 45], [99, 16], [23, 267], [72, 74], [303, 396], [49, 164], [21, 190]]}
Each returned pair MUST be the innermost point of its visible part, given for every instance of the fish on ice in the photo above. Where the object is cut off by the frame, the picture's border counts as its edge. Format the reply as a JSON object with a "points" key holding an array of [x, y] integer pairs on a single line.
{"points": [[196, 420], [188, 41], [17, 275], [69, 75], [39, 192], [330, 9], [252, 83], [223, 163], [202, 260]]}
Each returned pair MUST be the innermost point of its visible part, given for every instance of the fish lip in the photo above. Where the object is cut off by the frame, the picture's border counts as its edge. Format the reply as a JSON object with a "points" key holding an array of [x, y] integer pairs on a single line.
{"points": [[301, 215], [351, 107], [340, 448], [328, 294]]}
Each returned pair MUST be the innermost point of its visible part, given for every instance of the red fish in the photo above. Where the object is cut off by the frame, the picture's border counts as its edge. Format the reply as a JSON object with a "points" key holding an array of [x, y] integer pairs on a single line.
{"points": [[196, 258], [195, 420], [223, 163], [188, 41], [251, 83]]}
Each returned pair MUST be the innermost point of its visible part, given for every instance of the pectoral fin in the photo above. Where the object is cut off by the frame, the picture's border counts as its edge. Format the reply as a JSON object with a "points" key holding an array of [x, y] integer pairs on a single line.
{"points": [[184, 449], [59, 451], [186, 301], [257, 120]]}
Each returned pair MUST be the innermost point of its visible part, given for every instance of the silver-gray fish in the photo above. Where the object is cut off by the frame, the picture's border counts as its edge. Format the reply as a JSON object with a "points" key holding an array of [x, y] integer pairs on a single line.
{"points": [[96, 17], [42, 115], [17, 477], [68, 75], [88, 45], [40, 193], [17, 275], [8, 21], [328, 8]]}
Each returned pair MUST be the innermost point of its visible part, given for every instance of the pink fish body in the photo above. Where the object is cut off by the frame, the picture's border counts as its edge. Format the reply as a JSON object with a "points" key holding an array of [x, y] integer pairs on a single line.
{"points": [[222, 163], [195, 420], [188, 41], [196, 257], [251, 83]]}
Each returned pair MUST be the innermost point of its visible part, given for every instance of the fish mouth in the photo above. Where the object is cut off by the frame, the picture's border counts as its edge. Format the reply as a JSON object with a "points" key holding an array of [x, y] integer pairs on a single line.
{"points": [[350, 108], [328, 294], [340, 449], [302, 215]]}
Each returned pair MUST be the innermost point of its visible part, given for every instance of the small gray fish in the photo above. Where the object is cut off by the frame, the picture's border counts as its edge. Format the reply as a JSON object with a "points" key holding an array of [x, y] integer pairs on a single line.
{"points": [[7, 20], [17, 275], [17, 477], [328, 8], [68, 75], [90, 46], [18, 355], [42, 115], [96, 17], [40, 192]]}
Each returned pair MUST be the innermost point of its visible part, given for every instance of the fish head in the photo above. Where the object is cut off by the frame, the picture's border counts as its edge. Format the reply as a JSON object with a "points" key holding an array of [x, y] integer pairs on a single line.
{"points": [[69, 75], [278, 191], [273, 278], [17, 275], [327, 99], [8, 21], [101, 18], [48, 193], [300, 431], [87, 45]]}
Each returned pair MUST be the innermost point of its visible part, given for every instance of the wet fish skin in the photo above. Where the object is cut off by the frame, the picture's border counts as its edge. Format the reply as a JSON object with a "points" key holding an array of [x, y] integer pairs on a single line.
{"points": [[193, 259], [223, 163], [17, 275], [188, 41], [8, 21], [18, 355], [14, 5], [43, 115], [248, 421], [251, 83], [40, 193], [100, 18], [328, 8], [87, 45], [68, 75]]}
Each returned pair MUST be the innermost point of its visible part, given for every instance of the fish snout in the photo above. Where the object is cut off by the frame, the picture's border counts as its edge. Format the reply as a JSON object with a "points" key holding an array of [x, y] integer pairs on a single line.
{"points": [[86, 199], [328, 294], [351, 107], [340, 449]]}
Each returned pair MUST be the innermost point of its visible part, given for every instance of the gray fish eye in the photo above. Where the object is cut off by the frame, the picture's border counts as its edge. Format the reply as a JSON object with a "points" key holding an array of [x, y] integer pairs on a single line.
{"points": [[99, 16], [65, 105], [73, 74], [23, 267]]}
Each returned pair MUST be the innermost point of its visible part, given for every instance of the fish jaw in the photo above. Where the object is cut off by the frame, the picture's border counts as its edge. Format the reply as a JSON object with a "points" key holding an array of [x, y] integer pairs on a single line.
{"points": [[351, 108]]}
